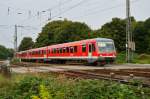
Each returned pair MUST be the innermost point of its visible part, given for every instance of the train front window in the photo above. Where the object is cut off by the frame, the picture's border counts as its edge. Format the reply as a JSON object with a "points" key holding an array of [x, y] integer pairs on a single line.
{"points": [[106, 46]]}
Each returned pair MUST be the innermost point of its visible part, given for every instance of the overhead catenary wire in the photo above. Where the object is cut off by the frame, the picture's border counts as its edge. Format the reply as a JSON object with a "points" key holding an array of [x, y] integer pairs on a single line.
{"points": [[6, 26], [14, 10], [62, 12], [103, 10], [71, 7], [68, 9], [92, 13], [62, 3], [39, 13]]}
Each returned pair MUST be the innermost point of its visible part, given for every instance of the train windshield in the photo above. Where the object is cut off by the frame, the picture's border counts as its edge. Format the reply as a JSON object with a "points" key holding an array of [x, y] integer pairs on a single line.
{"points": [[106, 47]]}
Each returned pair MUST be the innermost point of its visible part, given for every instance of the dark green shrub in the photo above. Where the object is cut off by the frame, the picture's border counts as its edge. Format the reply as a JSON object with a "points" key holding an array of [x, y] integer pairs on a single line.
{"points": [[52, 87]]}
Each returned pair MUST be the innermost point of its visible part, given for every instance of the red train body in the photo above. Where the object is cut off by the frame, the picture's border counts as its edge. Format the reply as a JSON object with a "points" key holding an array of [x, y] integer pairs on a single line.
{"points": [[98, 50]]}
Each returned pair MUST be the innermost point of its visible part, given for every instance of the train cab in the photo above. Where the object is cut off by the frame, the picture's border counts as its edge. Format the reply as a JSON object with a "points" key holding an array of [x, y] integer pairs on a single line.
{"points": [[106, 50]]}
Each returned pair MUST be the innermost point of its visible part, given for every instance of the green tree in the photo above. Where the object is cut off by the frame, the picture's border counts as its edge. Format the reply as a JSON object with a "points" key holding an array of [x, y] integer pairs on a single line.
{"points": [[62, 31], [5, 53], [10, 52], [142, 36], [116, 30], [147, 26], [73, 31], [26, 44]]}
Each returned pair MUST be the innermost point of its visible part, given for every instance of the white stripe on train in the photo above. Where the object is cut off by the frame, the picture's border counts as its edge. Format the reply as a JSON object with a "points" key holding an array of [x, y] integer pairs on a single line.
{"points": [[93, 57]]}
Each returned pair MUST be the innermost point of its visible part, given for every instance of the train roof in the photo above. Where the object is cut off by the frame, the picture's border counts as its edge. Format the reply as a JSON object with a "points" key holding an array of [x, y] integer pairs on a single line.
{"points": [[103, 39], [81, 42], [72, 43]]}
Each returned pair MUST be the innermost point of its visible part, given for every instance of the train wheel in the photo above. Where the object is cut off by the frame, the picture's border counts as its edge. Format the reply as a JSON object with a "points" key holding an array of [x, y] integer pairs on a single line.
{"points": [[101, 63], [63, 62], [94, 64]]}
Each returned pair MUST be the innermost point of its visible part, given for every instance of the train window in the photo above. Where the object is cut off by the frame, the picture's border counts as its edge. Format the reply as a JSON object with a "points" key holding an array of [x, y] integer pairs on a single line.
{"points": [[40, 52], [71, 49], [83, 48], [52, 51], [75, 49], [49, 51], [64, 50], [44, 51], [60, 50], [67, 49], [57, 50], [90, 48], [93, 47]]}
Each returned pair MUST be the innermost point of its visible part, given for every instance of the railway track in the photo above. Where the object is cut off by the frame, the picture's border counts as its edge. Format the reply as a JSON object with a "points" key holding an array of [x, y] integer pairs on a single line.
{"points": [[125, 72], [119, 75], [111, 77], [29, 64]]}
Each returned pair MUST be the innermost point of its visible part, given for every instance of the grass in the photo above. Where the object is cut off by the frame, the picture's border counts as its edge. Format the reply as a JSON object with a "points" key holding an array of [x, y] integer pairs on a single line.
{"points": [[137, 58], [47, 86], [143, 59]]}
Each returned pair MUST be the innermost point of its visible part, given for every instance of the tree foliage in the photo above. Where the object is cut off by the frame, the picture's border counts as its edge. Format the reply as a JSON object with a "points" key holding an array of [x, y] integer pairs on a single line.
{"points": [[116, 31], [66, 31], [5, 53], [61, 32], [142, 36], [60, 87], [26, 44]]}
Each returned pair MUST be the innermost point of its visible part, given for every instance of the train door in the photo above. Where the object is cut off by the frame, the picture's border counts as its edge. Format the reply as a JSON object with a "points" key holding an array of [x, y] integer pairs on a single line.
{"points": [[45, 55], [90, 50]]}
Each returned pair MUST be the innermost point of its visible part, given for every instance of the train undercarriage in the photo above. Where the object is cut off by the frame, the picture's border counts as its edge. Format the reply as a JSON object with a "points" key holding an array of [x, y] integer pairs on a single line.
{"points": [[89, 61]]}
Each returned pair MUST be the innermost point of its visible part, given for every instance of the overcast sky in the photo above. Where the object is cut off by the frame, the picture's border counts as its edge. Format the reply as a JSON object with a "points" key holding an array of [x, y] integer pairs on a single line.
{"points": [[33, 14]]}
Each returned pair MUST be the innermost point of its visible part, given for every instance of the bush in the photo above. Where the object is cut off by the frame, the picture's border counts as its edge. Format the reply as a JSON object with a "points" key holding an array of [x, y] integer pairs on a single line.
{"points": [[52, 87], [15, 60], [121, 58], [137, 58]]}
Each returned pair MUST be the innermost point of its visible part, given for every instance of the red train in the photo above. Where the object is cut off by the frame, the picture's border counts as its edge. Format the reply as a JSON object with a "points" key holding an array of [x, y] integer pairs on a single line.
{"points": [[93, 51]]}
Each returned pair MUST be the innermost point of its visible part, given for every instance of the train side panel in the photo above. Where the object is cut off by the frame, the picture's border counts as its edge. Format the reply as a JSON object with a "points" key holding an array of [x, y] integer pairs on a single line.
{"points": [[91, 50]]}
